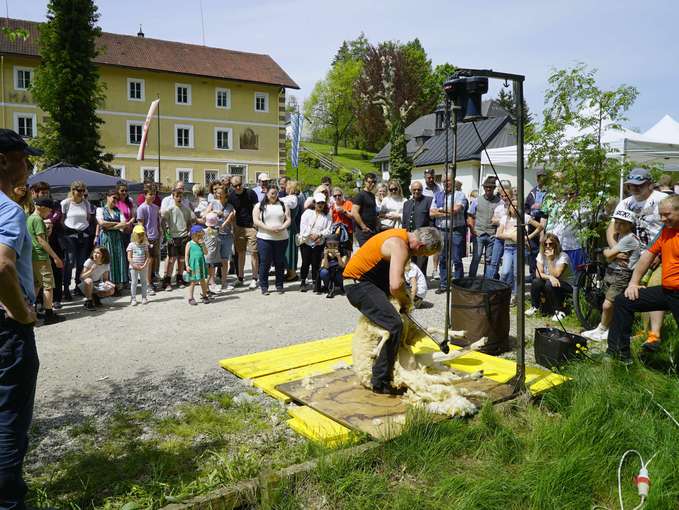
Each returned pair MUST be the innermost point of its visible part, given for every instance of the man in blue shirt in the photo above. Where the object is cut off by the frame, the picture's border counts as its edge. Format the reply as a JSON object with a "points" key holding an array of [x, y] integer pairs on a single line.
{"points": [[19, 363]]}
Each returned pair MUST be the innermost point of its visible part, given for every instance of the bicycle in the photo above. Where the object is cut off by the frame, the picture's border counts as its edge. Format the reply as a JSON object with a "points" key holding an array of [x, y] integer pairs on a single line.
{"points": [[588, 293]]}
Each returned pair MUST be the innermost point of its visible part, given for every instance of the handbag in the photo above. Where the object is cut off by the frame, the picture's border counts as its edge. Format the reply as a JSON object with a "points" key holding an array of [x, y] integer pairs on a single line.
{"points": [[300, 239]]}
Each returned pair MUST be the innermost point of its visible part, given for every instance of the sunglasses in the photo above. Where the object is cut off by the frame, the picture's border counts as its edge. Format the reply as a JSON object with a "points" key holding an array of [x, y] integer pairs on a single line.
{"points": [[79, 190], [549, 245], [237, 185], [337, 196], [393, 189]]}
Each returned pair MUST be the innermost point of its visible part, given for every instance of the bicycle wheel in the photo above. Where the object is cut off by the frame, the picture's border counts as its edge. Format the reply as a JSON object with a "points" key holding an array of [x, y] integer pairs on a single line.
{"points": [[588, 298]]}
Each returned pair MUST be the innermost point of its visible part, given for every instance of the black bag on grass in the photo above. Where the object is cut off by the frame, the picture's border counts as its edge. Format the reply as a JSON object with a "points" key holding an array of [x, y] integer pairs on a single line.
{"points": [[480, 306]]}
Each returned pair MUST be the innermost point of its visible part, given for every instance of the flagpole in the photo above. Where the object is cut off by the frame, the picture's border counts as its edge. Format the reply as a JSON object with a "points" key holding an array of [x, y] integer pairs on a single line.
{"points": [[158, 119]]}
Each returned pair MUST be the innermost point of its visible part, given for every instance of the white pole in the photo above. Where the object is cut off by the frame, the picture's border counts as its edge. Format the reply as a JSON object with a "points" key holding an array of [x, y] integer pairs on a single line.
{"points": [[622, 166]]}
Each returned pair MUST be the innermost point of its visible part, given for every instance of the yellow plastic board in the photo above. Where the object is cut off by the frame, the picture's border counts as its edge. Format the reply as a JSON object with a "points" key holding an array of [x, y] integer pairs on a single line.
{"points": [[317, 427], [268, 383], [287, 358]]}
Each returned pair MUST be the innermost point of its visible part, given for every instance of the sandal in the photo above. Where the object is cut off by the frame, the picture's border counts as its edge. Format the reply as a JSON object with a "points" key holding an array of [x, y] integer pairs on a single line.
{"points": [[205, 299], [192, 302]]}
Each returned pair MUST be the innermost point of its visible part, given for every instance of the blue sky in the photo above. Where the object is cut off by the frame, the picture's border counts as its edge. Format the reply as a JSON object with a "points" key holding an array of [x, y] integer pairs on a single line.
{"points": [[629, 42]]}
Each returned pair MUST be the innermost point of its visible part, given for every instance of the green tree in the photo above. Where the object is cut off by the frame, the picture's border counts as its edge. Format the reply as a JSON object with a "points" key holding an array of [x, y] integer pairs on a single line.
{"points": [[400, 164], [352, 50], [505, 99], [581, 164], [331, 107], [67, 85]]}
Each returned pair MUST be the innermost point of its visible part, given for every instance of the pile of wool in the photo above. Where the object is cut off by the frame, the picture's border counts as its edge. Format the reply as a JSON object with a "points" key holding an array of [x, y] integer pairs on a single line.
{"points": [[429, 382]]}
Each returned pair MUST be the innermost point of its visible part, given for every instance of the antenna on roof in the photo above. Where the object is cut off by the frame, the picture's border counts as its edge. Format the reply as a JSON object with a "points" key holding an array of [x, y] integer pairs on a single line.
{"points": [[202, 21], [140, 33]]}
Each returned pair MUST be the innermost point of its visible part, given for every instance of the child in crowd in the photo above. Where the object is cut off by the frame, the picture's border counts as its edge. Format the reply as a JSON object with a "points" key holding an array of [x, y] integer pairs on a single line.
{"points": [[95, 280], [138, 259], [416, 283], [212, 243], [196, 267], [622, 258], [333, 263], [43, 277]]}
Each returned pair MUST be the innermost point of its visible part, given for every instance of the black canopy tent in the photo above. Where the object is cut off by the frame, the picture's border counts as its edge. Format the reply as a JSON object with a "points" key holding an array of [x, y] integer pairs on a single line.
{"points": [[61, 175]]}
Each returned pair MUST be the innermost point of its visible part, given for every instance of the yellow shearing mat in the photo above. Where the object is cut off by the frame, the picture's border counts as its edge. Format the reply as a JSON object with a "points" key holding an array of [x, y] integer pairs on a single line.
{"points": [[318, 427]]}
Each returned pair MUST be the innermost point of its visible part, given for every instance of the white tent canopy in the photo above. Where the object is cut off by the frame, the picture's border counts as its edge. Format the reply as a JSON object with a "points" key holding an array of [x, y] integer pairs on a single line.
{"points": [[660, 144]]}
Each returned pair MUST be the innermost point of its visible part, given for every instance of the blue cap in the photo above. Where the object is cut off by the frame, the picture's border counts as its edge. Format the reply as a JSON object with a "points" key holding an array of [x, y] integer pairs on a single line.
{"points": [[638, 176], [196, 229]]}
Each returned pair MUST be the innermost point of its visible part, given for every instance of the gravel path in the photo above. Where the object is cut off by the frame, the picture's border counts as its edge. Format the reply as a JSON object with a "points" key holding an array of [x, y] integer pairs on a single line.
{"points": [[155, 356]]}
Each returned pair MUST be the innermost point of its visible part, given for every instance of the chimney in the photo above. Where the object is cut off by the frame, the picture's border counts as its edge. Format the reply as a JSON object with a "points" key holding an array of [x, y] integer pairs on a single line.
{"points": [[140, 33]]}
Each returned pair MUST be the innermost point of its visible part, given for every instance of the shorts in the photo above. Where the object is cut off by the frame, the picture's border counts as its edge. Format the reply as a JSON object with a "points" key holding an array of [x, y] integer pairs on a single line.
{"points": [[245, 239], [42, 274], [154, 248], [177, 246], [615, 283], [225, 247]]}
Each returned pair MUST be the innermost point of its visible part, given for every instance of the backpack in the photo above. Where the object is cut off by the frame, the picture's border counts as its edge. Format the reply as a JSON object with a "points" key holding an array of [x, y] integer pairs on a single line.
{"points": [[340, 230]]}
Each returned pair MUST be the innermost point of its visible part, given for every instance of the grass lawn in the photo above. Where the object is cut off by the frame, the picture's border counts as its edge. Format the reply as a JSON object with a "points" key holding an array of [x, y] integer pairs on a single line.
{"points": [[348, 158]]}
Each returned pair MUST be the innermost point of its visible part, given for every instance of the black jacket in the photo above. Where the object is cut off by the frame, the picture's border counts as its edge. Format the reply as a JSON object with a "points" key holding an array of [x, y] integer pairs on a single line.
{"points": [[421, 216]]}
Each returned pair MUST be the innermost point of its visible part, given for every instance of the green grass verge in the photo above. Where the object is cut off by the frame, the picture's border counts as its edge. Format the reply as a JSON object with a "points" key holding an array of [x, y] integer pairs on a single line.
{"points": [[141, 461], [561, 452], [348, 158]]}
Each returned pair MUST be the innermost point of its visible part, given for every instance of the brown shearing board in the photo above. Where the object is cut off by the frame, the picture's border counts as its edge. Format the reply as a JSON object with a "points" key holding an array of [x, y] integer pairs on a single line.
{"points": [[340, 396]]}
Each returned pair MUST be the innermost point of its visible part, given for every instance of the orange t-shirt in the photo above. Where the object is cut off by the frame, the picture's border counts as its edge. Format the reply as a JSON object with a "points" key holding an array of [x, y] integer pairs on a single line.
{"points": [[368, 264], [667, 243], [337, 217]]}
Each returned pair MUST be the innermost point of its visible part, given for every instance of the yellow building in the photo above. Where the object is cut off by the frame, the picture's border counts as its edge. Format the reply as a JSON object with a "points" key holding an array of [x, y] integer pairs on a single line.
{"points": [[221, 111]]}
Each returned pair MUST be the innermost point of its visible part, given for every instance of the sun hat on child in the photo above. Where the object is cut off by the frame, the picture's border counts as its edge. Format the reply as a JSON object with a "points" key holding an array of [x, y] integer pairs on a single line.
{"points": [[211, 219], [138, 229]]}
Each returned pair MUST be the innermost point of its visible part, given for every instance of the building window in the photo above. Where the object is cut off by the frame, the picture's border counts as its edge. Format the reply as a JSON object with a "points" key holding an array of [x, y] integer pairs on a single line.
{"points": [[135, 89], [134, 131], [223, 139], [261, 102], [183, 136], [26, 124], [211, 176], [185, 175], [23, 77], [238, 170], [118, 171], [223, 98], [182, 93], [149, 174]]}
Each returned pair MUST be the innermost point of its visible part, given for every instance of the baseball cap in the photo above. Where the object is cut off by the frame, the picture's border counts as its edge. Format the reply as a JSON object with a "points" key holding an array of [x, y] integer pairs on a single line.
{"points": [[320, 197], [263, 177], [638, 176], [196, 229], [625, 215], [11, 141], [540, 171], [429, 171], [138, 229]]}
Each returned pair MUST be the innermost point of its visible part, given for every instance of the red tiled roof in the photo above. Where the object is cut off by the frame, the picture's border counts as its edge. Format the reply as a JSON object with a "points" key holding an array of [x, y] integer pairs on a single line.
{"points": [[157, 55]]}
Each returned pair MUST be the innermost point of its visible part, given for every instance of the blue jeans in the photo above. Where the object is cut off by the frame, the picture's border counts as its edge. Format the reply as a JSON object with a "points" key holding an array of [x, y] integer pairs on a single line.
{"points": [[498, 249], [509, 266], [271, 252], [481, 242], [76, 251], [18, 373], [458, 240], [334, 273]]}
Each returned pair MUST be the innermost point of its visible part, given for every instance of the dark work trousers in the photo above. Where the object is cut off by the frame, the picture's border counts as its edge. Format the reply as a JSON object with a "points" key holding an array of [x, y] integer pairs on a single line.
{"points": [[374, 303], [554, 296], [420, 262], [76, 251], [311, 257], [58, 273], [271, 252], [482, 245], [649, 300], [18, 373], [362, 237], [533, 256]]}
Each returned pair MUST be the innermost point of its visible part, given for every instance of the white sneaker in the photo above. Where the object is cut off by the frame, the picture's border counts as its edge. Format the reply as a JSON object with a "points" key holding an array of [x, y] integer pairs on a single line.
{"points": [[230, 286], [253, 285], [133, 302], [435, 275], [597, 334], [558, 316], [144, 301], [531, 311]]}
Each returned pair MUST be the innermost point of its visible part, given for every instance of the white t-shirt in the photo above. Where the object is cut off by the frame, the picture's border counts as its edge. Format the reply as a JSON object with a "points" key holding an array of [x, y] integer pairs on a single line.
{"points": [[430, 192], [392, 205], [273, 217], [312, 223], [566, 274], [509, 223], [168, 202], [416, 272], [75, 215], [648, 216], [99, 269]]}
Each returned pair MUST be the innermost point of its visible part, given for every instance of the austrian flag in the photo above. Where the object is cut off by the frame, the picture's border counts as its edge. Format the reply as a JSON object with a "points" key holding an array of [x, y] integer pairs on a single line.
{"points": [[145, 133]]}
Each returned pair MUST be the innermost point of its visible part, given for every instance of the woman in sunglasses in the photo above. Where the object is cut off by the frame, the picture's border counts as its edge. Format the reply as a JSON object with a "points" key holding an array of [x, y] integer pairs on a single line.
{"points": [[391, 208], [76, 222], [554, 279]]}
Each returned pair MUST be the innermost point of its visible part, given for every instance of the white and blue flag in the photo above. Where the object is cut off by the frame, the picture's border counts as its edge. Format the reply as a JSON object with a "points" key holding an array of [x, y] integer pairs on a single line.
{"points": [[296, 121]]}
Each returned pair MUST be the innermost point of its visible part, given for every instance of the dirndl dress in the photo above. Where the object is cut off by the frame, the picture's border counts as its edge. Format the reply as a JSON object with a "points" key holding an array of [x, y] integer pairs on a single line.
{"points": [[112, 240]]}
